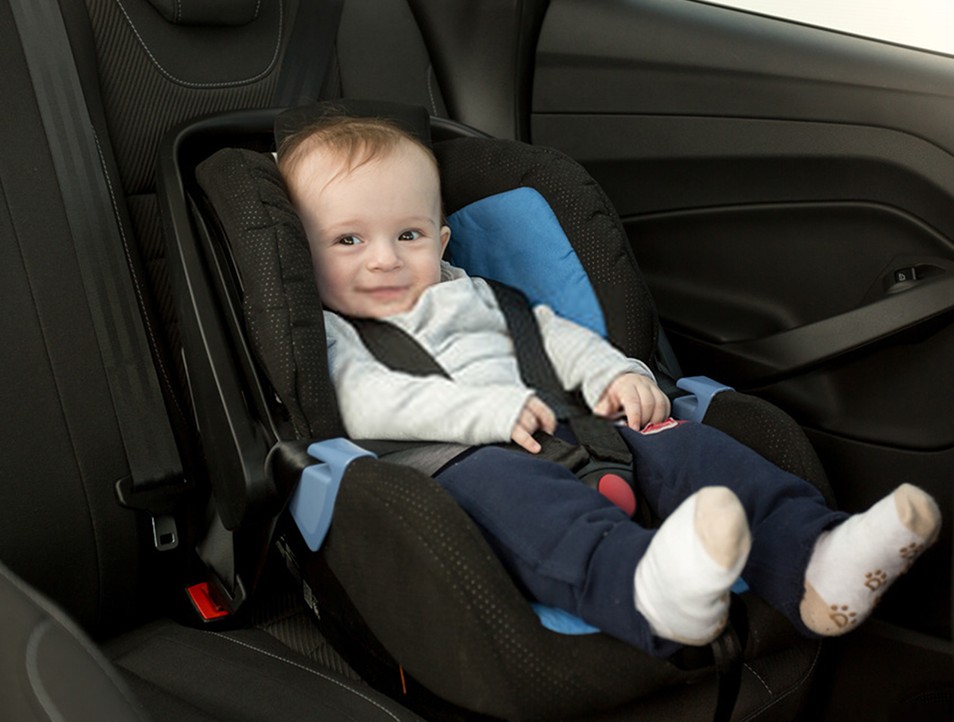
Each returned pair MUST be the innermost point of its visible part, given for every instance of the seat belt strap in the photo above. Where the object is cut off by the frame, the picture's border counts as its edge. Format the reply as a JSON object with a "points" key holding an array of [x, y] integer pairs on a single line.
{"points": [[100, 244], [309, 55], [535, 368], [596, 435], [396, 348]]}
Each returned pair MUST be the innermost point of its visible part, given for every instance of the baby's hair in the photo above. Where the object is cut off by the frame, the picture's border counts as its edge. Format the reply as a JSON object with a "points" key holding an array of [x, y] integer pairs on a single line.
{"points": [[355, 140]]}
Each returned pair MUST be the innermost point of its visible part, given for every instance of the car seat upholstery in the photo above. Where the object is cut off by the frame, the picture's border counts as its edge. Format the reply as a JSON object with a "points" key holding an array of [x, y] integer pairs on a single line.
{"points": [[134, 69], [35, 632], [400, 556]]}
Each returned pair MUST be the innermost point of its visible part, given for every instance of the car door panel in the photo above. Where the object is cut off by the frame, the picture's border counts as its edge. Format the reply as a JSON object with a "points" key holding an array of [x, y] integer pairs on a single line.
{"points": [[789, 195]]}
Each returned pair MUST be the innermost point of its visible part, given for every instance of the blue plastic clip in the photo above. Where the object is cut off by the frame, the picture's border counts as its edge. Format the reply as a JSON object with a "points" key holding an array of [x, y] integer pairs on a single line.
{"points": [[314, 500], [695, 406], [556, 620]]}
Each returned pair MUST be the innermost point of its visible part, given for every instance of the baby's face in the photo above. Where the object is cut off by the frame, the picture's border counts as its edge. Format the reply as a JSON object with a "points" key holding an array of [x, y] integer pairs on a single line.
{"points": [[375, 231]]}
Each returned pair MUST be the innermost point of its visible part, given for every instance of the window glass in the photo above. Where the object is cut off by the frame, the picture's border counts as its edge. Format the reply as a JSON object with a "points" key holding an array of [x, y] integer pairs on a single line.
{"points": [[925, 24]]}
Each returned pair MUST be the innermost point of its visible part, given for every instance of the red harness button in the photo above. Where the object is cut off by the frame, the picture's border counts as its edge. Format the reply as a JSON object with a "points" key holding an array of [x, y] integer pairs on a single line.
{"points": [[615, 488]]}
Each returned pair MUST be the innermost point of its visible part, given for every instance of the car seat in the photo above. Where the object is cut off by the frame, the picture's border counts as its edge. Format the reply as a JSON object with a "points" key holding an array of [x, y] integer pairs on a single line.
{"points": [[404, 584]]}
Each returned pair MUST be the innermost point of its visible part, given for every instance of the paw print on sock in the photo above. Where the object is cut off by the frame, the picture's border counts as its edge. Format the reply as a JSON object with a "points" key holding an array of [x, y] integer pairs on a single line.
{"points": [[842, 616], [909, 553], [875, 580]]}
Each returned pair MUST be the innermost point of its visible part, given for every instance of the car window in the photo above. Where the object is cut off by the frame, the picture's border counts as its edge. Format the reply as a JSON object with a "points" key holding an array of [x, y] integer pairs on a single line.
{"points": [[924, 24]]}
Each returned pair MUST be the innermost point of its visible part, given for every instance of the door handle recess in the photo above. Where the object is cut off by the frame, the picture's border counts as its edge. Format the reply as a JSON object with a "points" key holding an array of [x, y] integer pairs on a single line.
{"points": [[800, 348]]}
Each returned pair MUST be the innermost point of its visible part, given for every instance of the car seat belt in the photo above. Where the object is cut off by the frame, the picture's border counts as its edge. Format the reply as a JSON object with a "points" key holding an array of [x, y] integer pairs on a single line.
{"points": [[309, 55], [102, 250]]}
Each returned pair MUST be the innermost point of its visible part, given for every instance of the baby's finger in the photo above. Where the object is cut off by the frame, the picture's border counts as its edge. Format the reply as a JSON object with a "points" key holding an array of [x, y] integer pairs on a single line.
{"points": [[602, 407], [548, 419], [663, 406], [524, 439], [543, 415], [634, 407]]}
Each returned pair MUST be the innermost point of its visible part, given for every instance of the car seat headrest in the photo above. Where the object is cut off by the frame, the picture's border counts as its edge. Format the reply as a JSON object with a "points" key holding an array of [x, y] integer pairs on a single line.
{"points": [[208, 12], [413, 119]]}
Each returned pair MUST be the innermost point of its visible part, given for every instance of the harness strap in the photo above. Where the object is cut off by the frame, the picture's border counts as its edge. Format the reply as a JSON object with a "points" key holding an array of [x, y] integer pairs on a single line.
{"points": [[398, 350], [535, 368], [595, 434]]}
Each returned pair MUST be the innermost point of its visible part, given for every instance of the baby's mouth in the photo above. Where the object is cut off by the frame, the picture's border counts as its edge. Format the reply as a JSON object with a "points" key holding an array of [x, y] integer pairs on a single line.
{"points": [[383, 293]]}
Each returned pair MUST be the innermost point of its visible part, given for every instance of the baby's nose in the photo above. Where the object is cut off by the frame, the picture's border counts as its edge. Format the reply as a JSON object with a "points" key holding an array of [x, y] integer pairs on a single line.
{"points": [[384, 256]]}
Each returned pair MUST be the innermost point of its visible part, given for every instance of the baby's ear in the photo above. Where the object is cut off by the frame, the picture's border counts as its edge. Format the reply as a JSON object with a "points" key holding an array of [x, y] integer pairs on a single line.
{"points": [[445, 237]]}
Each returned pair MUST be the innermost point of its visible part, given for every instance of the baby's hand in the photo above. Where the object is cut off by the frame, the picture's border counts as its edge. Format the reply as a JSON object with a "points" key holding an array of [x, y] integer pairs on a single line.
{"points": [[534, 416], [638, 398]]}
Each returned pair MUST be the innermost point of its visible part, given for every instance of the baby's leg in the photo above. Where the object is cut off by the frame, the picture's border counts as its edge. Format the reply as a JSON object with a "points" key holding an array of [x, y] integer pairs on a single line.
{"points": [[785, 514], [565, 543], [821, 568], [682, 582], [852, 565], [571, 548]]}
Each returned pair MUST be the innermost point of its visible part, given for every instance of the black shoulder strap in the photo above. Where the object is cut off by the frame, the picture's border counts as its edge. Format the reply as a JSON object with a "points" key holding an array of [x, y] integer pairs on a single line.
{"points": [[396, 348], [100, 245], [598, 436], [399, 351], [536, 370]]}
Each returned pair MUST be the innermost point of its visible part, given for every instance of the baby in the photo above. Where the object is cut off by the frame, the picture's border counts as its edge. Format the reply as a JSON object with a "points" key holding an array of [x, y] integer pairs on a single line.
{"points": [[369, 198]]}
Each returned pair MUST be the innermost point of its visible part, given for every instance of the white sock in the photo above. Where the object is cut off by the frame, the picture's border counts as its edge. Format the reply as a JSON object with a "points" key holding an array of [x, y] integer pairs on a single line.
{"points": [[853, 564], [682, 582]]}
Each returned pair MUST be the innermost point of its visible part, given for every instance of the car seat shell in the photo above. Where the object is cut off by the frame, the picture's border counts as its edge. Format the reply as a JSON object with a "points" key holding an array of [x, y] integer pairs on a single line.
{"points": [[353, 561]]}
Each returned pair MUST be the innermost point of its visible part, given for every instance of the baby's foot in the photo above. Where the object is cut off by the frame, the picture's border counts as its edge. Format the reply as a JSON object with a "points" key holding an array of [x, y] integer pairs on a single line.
{"points": [[682, 582], [853, 564]]}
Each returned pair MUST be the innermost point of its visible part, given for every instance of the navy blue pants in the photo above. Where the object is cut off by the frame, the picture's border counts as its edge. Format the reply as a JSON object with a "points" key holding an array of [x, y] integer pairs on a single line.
{"points": [[573, 549]]}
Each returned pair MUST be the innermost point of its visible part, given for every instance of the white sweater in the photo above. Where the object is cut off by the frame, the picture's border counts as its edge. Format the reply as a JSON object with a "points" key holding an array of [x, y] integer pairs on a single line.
{"points": [[460, 324]]}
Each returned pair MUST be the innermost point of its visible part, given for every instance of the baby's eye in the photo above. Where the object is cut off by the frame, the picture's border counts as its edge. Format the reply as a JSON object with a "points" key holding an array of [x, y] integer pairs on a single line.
{"points": [[409, 236], [348, 240]]}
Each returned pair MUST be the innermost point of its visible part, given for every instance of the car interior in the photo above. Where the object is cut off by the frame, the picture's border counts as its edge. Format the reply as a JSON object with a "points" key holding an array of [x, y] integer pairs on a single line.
{"points": [[772, 211]]}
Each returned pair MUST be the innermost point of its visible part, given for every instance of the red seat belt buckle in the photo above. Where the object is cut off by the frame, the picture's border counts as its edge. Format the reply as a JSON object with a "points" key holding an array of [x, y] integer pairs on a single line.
{"points": [[204, 602]]}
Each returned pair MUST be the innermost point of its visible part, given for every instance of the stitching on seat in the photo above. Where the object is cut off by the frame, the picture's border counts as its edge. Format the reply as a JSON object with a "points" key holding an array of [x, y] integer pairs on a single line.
{"points": [[790, 691], [430, 88], [315, 672], [758, 677], [224, 84]]}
